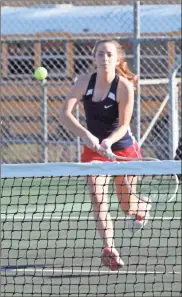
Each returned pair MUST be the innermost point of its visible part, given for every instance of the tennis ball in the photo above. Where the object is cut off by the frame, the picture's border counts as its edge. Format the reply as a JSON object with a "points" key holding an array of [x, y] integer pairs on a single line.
{"points": [[40, 73]]}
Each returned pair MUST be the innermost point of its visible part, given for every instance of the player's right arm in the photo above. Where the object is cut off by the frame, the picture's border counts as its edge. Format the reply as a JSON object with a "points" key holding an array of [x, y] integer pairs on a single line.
{"points": [[68, 119]]}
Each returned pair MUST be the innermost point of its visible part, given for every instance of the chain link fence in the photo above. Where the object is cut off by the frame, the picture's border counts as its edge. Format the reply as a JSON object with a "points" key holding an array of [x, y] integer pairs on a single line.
{"points": [[60, 35]]}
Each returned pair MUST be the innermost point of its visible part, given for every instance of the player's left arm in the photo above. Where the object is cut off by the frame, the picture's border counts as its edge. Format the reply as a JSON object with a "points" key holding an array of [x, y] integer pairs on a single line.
{"points": [[125, 100]]}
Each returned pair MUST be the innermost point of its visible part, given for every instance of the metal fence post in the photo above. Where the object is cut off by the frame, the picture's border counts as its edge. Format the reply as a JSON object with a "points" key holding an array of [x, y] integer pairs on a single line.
{"points": [[78, 145], [136, 50], [173, 112], [44, 123]]}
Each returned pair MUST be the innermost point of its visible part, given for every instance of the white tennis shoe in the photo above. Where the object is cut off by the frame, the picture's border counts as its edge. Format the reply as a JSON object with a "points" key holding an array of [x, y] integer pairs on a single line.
{"points": [[135, 223]]}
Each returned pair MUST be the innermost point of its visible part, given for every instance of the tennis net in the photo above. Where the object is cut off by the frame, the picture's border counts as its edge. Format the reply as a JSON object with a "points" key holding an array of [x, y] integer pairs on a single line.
{"points": [[50, 246]]}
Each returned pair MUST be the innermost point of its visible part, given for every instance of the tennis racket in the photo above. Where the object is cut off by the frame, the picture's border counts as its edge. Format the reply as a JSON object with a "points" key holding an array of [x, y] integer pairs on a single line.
{"points": [[156, 188]]}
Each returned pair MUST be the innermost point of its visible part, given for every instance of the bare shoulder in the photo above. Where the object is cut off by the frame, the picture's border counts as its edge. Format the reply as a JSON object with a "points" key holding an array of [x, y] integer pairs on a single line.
{"points": [[125, 84], [125, 90]]}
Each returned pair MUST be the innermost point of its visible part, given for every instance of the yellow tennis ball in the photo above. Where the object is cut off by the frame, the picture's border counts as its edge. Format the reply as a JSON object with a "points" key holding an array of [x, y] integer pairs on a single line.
{"points": [[40, 73]]}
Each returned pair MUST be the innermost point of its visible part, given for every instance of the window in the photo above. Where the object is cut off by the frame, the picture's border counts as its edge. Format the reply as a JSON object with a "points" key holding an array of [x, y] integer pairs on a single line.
{"points": [[83, 48], [20, 66], [178, 46], [82, 66], [20, 48], [54, 65], [20, 58], [83, 60], [154, 48], [154, 59], [154, 67], [54, 57]]}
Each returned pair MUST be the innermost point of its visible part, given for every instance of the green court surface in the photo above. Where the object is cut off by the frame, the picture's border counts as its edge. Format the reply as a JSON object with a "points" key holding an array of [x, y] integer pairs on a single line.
{"points": [[50, 246]]}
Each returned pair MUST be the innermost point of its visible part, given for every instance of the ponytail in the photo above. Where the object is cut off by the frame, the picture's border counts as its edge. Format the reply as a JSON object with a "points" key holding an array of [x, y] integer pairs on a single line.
{"points": [[123, 70]]}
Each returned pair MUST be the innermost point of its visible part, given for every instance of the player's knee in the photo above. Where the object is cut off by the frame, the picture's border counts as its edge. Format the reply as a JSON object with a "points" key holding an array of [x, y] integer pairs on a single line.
{"points": [[98, 202], [97, 198]]}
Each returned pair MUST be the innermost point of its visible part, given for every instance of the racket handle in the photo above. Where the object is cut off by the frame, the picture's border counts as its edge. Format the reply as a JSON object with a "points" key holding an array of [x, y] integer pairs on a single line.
{"points": [[111, 156]]}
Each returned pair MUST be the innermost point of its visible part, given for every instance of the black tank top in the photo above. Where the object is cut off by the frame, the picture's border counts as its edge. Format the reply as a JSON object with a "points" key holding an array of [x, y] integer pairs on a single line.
{"points": [[102, 117]]}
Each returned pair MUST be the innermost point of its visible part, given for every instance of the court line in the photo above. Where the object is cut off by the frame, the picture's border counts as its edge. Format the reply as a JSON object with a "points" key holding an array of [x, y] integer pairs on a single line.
{"points": [[73, 218], [62, 271]]}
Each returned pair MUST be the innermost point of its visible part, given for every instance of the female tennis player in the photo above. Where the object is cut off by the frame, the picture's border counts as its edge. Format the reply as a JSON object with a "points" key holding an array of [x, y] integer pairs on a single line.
{"points": [[108, 99]]}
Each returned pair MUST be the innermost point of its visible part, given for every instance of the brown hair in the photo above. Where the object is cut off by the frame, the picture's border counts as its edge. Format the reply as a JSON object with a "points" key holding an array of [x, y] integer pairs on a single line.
{"points": [[122, 69]]}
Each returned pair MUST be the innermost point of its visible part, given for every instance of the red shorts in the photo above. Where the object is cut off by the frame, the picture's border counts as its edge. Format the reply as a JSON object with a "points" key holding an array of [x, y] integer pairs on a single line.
{"points": [[133, 151]]}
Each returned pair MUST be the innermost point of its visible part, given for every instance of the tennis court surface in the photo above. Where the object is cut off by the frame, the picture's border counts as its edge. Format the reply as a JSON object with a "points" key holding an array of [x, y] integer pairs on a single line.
{"points": [[50, 246]]}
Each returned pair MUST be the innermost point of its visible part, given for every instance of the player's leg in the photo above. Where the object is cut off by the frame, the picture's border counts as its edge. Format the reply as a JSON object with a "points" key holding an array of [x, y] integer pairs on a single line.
{"points": [[137, 209], [129, 203], [98, 188]]}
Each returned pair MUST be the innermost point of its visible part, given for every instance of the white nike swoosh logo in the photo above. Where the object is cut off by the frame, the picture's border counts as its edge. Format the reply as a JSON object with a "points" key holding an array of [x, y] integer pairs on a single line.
{"points": [[107, 106]]}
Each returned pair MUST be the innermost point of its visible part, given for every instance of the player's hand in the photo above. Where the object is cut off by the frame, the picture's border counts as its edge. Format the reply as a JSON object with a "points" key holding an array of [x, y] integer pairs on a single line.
{"points": [[92, 142], [105, 147]]}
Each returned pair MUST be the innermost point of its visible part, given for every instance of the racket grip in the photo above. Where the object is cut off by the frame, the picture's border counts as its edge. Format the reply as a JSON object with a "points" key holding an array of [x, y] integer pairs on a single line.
{"points": [[111, 156], [108, 155]]}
